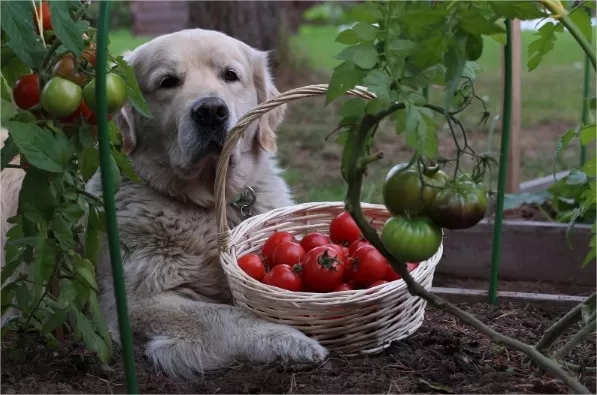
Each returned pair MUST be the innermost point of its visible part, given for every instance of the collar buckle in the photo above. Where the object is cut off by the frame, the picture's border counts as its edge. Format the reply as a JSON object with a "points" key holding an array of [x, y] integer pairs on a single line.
{"points": [[245, 201]]}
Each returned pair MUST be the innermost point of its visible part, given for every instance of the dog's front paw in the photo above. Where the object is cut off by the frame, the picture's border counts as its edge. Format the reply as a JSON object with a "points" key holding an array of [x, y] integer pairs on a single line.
{"points": [[291, 345]]}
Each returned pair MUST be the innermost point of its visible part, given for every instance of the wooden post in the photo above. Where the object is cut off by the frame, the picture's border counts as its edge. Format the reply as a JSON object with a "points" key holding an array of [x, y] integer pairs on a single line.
{"points": [[513, 177]]}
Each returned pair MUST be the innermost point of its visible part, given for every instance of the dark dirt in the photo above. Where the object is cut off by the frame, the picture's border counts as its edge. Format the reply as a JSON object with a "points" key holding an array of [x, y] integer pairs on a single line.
{"points": [[442, 357]]}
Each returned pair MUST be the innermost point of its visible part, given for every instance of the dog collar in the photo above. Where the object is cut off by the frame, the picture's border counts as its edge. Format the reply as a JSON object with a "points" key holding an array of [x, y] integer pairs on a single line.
{"points": [[244, 202]]}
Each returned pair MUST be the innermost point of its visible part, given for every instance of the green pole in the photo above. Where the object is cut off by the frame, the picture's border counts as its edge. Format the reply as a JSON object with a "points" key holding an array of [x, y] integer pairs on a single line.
{"points": [[585, 98], [503, 171], [126, 337]]}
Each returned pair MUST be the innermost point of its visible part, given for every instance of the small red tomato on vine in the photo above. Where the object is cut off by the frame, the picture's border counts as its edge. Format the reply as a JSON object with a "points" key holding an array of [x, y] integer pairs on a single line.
{"points": [[322, 272], [272, 242], [287, 253], [65, 67], [46, 17], [343, 229], [252, 265], [26, 92], [313, 240]]}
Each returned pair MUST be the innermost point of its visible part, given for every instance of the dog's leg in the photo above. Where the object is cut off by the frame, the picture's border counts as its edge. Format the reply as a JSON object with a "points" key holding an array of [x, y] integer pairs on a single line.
{"points": [[188, 337]]}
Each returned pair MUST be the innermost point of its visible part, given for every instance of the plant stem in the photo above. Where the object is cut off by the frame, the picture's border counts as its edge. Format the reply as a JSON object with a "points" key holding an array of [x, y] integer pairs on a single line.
{"points": [[90, 196], [561, 14], [552, 334], [353, 206], [576, 339]]}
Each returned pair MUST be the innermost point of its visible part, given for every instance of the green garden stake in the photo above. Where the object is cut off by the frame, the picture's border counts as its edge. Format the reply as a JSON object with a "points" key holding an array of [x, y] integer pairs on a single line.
{"points": [[585, 97], [503, 171], [108, 195]]}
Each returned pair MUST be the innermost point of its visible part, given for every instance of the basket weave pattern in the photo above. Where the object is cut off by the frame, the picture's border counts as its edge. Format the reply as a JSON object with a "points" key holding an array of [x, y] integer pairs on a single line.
{"points": [[350, 322]]}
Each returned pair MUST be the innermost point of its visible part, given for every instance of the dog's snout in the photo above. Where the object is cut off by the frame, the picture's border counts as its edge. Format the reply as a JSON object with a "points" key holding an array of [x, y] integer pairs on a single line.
{"points": [[210, 111]]}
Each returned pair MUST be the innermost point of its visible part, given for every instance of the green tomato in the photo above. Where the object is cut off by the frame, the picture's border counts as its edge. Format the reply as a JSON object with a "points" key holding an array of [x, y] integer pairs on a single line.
{"points": [[116, 93], [60, 97], [461, 205], [474, 47], [411, 239], [403, 192]]}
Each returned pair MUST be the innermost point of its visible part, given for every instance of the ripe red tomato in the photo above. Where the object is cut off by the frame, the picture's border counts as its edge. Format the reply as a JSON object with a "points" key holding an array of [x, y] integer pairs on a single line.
{"points": [[26, 92], [369, 265], [355, 245], [272, 242], [82, 112], [344, 287], [392, 275], [287, 253], [322, 271], [45, 16], [342, 252], [283, 276], [375, 284], [252, 265], [343, 229], [313, 240]]}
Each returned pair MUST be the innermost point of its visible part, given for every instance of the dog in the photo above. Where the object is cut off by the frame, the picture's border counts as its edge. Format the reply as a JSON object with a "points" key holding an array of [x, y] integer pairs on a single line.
{"points": [[197, 83]]}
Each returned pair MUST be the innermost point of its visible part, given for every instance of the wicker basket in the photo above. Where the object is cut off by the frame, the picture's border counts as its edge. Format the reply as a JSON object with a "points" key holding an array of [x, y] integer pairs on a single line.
{"points": [[350, 322]]}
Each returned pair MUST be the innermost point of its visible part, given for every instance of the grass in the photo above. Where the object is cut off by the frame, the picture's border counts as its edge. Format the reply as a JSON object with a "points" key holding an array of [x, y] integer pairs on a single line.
{"points": [[551, 100]]}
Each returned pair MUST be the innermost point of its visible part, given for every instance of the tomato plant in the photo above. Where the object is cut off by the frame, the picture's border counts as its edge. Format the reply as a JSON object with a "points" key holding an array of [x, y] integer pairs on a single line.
{"points": [[343, 229], [56, 231], [272, 242], [313, 240], [287, 253], [252, 265], [322, 271]]}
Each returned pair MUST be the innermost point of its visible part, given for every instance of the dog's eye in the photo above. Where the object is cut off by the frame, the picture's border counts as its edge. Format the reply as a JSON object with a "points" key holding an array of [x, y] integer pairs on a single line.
{"points": [[169, 82], [229, 75]]}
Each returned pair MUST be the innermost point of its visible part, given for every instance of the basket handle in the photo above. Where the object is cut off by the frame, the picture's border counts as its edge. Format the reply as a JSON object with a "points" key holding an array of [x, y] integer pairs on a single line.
{"points": [[237, 131]]}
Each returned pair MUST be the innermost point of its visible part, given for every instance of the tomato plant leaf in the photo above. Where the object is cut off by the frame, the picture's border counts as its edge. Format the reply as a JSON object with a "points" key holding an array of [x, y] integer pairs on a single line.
{"points": [[345, 77], [454, 60], [593, 248], [125, 164], [57, 319], [17, 20], [348, 37], [378, 82], [67, 31], [9, 151], [23, 297], [401, 47], [545, 42], [561, 145], [582, 19], [364, 55], [588, 134], [132, 87], [84, 330], [99, 321], [35, 195], [420, 130], [365, 12], [523, 10], [43, 149], [88, 162], [365, 31]]}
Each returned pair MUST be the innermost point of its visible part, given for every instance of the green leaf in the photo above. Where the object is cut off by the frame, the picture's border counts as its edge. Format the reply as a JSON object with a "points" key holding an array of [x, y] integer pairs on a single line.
{"points": [[35, 195], [7, 111], [365, 31], [523, 10], [65, 28], [593, 251], [9, 151], [582, 19], [542, 45], [365, 55], [421, 131], [590, 167], [474, 23], [365, 12], [400, 47], [348, 37], [517, 200], [455, 60], [17, 20], [45, 260], [378, 82], [43, 149], [87, 276], [588, 134], [345, 77], [134, 93], [57, 319], [84, 330], [125, 164], [62, 232], [116, 177], [431, 51], [98, 319], [561, 145], [88, 162], [14, 70], [23, 297], [68, 293], [353, 108]]}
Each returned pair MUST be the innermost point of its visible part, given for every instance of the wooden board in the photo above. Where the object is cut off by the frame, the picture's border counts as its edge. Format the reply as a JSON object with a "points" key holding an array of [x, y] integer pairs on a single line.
{"points": [[531, 251]]}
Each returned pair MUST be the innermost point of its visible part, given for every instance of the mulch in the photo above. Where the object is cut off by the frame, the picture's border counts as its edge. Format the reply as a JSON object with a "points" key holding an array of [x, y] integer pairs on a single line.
{"points": [[443, 356]]}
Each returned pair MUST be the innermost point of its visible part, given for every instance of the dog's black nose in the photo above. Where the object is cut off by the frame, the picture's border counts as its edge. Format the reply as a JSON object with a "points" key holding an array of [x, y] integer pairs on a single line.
{"points": [[210, 111]]}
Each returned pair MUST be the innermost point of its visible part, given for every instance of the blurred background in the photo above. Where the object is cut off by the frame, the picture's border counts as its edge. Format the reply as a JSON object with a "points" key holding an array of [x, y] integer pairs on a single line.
{"points": [[302, 36]]}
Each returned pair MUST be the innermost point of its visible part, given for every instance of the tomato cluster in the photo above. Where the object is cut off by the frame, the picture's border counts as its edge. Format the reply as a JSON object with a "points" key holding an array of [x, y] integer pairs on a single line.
{"points": [[422, 201], [67, 89], [340, 261]]}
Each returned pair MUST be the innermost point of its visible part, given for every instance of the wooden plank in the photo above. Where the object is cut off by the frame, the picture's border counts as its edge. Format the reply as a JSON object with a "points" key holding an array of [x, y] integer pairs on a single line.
{"points": [[531, 251], [542, 183], [456, 295], [513, 175]]}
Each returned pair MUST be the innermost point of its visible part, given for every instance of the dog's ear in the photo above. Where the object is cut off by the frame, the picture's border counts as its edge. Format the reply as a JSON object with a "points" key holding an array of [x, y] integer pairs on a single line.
{"points": [[266, 135], [125, 120]]}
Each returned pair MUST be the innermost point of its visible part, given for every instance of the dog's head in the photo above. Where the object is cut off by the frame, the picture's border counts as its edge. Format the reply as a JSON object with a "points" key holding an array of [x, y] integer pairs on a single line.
{"points": [[198, 83]]}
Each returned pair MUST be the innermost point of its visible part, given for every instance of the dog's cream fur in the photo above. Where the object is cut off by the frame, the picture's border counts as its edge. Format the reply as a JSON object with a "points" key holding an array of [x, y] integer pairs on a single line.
{"points": [[178, 298]]}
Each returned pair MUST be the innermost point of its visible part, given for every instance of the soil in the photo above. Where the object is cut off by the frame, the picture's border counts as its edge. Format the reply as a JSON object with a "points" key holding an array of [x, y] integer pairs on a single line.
{"points": [[443, 356]]}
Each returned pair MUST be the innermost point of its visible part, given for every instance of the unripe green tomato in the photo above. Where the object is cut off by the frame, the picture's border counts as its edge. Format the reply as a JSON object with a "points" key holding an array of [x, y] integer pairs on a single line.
{"points": [[411, 239], [116, 93], [60, 97]]}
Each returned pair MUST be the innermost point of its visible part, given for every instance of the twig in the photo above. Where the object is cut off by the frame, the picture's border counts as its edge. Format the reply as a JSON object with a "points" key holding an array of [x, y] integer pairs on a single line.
{"points": [[89, 195], [356, 146], [576, 339], [552, 334]]}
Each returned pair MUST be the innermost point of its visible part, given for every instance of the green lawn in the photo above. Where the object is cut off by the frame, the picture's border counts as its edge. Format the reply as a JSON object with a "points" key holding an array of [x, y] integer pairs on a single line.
{"points": [[551, 97]]}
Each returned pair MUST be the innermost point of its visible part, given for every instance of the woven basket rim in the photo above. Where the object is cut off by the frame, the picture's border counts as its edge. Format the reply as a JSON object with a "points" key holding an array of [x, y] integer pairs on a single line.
{"points": [[236, 132]]}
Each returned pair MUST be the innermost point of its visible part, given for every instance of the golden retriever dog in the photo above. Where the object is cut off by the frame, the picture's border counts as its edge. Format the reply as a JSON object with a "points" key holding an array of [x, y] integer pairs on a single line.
{"points": [[198, 83]]}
